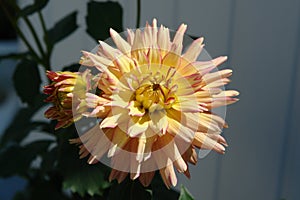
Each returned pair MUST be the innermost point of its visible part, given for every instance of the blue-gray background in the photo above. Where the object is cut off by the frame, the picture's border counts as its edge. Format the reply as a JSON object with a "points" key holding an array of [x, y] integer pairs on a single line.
{"points": [[262, 40]]}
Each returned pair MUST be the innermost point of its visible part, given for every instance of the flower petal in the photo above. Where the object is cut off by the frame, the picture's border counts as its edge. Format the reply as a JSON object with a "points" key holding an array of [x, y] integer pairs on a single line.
{"points": [[168, 175], [159, 122], [194, 50], [180, 130], [115, 117], [107, 51], [163, 40], [137, 125], [120, 42], [116, 174], [135, 109], [204, 142], [146, 178]]}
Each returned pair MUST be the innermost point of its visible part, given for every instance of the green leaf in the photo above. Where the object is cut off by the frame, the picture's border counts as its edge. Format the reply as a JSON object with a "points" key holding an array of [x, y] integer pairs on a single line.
{"points": [[72, 67], [27, 80], [185, 194], [129, 189], [49, 160], [36, 6], [21, 125], [41, 189], [160, 191], [16, 132], [16, 159], [101, 17], [79, 176], [62, 29]]}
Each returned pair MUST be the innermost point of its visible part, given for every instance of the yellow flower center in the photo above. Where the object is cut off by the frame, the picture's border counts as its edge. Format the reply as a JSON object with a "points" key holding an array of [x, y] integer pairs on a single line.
{"points": [[147, 95]]}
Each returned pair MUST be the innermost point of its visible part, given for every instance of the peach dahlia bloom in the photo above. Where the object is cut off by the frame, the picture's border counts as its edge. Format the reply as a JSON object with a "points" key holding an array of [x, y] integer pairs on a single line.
{"points": [[154, 104]]}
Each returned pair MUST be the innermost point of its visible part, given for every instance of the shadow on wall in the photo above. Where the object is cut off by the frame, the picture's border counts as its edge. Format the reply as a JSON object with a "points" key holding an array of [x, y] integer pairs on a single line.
{"points": [[8, 107]]}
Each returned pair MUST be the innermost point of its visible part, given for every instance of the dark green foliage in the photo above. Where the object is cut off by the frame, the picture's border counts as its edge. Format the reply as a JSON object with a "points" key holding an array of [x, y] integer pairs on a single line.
{"points": [[72, 67], [6, 29], [79, 176], [185, 194], [21, 124], [17, 159], [129, 189], [101, 17], [31, 9], [160, 191], [62, 29], [39, 189], [27, 80]]}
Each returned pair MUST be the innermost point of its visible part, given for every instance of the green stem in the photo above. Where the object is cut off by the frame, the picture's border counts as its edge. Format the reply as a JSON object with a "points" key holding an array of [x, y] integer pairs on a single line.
{"points": [[43, 23], [34, 34], [138, 14], [20, 33], [44, 29], [49, 49]]}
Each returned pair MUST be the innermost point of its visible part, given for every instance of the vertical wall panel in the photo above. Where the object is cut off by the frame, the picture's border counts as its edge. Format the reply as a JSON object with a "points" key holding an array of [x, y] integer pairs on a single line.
{"points": [[288, 187], [262, 56], [209, 19], [163, 11]]}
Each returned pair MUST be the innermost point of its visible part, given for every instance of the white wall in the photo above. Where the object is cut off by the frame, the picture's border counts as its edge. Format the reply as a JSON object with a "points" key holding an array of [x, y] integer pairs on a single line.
{"points": [[262, 41]]}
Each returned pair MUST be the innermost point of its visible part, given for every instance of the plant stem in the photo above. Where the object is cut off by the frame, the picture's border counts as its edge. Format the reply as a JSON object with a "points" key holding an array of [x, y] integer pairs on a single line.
{"points": [[44, 29], [46, 37], [34, 34], [20, 33], [32, 30], [138, 13]]}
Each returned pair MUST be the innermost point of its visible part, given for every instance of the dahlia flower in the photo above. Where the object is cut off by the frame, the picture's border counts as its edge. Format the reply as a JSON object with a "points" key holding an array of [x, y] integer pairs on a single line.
{"points": [[154, 104], [60, 93]]}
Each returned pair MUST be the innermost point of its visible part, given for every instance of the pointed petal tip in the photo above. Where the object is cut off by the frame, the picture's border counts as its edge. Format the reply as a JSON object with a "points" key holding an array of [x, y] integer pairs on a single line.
{"points": [[92, 160], [233, 93], [225, 144], [174, 182], [200, 39], [220, 149], [112, 175], [154, 21], [187, 174], [183, 25], [219, 60], [134, 176], [112, 31]]}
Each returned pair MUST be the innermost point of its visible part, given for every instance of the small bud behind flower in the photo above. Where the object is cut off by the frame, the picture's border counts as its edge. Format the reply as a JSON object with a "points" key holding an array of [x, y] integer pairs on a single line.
{"points": [[61, 91]]}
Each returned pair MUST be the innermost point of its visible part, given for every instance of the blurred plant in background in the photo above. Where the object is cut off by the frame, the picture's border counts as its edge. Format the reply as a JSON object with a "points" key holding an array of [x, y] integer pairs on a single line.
{"points": [[51, 166]]}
